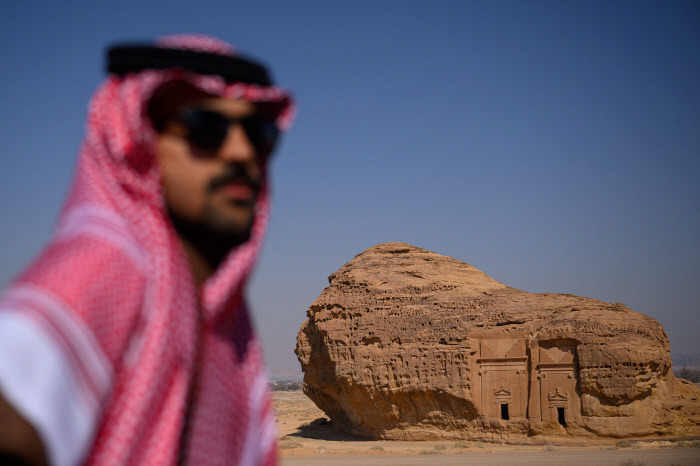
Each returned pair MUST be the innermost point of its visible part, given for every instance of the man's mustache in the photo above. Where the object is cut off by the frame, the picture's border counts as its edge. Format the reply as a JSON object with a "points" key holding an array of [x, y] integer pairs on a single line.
{"points": [[235, 174]]}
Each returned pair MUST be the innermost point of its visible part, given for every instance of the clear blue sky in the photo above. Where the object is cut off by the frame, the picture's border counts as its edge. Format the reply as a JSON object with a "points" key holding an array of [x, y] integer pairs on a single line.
{"points": [[553, 145]]}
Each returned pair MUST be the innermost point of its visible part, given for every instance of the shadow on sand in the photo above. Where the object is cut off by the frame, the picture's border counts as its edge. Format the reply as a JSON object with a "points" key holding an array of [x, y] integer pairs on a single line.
{"points": [[325, 432]]}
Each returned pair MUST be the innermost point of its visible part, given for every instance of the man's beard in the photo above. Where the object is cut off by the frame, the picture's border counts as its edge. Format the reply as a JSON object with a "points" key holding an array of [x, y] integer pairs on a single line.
{"points": [[214, 235]]}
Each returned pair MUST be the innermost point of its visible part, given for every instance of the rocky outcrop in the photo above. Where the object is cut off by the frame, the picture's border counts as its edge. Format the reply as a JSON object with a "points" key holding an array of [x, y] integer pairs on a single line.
{"points": [[408, 344]]}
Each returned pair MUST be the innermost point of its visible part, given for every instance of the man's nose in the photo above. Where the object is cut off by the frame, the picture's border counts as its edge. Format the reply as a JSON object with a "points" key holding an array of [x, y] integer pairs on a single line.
{"points": [[237, 147]]}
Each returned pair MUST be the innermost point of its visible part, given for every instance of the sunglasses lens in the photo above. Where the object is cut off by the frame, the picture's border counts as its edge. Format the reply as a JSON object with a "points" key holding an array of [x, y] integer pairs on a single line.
{"points": [[207, 130], [261, 131]]}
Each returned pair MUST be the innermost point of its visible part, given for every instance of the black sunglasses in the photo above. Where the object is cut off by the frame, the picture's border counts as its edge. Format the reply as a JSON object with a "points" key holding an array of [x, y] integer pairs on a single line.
{"points": [[207, 129]]}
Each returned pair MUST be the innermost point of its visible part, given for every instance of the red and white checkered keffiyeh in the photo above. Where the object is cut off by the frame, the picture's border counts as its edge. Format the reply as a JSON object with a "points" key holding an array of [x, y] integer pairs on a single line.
{"points": [[106, 345]]}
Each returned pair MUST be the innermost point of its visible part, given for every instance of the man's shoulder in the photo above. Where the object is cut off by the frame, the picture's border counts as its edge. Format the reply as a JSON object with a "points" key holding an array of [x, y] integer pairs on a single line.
{"points": [[93, 228], [81, 261], [84, 284]]}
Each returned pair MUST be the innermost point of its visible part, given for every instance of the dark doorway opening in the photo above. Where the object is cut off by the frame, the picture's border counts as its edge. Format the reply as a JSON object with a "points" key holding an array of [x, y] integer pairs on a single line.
{"points": [[561, 416], [504, 411]]}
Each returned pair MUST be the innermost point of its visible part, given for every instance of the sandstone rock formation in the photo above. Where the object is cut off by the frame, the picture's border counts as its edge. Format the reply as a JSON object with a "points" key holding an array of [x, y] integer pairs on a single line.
{"points": [[408, 344]]}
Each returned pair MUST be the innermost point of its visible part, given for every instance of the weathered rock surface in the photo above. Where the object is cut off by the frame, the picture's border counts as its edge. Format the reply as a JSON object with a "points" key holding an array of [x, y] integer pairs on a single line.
{"points": [[408, 344]]}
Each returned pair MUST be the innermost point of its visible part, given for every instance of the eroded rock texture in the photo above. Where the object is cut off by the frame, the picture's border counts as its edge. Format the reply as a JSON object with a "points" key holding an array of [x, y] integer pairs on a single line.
{"points": [[408, 344]]}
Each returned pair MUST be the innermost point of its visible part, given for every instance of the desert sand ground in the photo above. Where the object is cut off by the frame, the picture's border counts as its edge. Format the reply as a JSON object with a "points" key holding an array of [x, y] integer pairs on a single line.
{"points": [[302, 441]]}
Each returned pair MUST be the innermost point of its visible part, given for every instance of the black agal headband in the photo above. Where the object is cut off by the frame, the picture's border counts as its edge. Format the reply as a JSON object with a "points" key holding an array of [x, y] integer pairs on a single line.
{"points": [[123, 59]]}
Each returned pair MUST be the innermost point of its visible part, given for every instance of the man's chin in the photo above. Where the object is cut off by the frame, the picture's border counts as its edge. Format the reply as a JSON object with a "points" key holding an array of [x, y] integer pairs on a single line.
{"points": [[215, 235], [230, 237], [235, 224]]}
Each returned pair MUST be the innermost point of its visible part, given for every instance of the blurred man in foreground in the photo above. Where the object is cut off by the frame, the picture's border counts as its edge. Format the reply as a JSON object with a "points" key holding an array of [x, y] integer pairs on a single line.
{"points": [[128, 340]]}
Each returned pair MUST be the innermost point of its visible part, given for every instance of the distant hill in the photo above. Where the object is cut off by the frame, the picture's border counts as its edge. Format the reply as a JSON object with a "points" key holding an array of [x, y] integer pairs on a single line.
{"points": [[290, 375], [685, 360]]}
